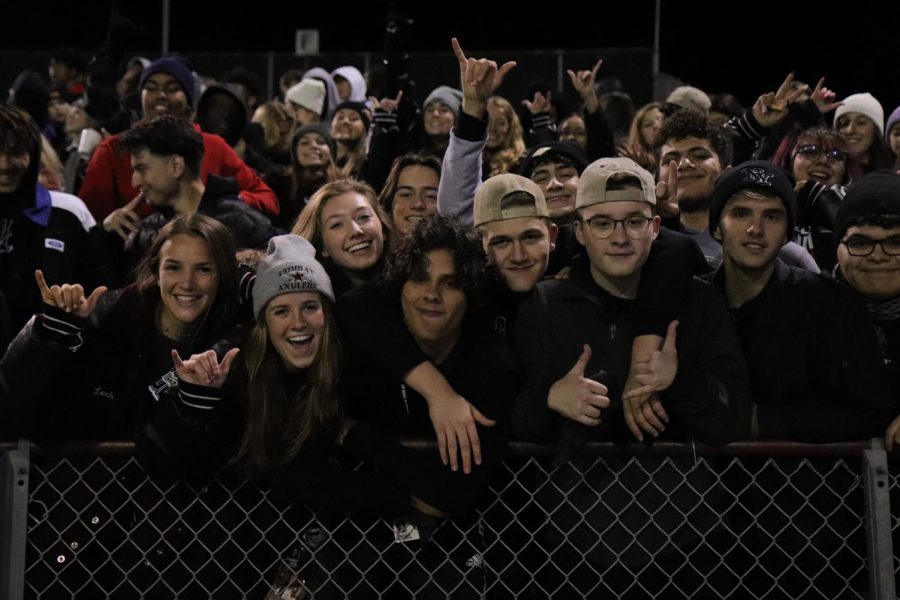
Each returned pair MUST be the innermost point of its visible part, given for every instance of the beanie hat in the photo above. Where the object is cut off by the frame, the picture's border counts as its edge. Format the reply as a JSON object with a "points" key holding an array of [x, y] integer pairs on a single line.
{"points": [[760, 175], [592, 187], [508, 196], [877, 193], [690, 98], [447, 96], [178, 68], [865, 104], [309, 93], [318, 127], [568, 151], [289, 265], [892, 120], [359, 107]]}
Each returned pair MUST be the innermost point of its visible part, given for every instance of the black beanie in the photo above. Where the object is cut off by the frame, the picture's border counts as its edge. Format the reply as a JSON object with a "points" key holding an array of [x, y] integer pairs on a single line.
{"points": [[569, 151], [759, 175], [876, 193], [359, 107]]}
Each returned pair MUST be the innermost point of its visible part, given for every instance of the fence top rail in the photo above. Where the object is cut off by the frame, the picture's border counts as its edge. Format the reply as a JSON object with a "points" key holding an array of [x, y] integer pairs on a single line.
{"points": [[751, 448]]}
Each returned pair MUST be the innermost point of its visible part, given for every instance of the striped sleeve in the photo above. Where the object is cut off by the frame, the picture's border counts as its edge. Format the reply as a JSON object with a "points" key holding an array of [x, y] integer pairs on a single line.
{"points": [[62, 326], [199, 397], [747, 126]]}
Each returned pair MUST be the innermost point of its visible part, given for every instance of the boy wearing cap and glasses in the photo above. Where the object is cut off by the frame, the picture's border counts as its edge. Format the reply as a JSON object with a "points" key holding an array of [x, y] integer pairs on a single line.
{"points": [[570, 329], [574, 337]]}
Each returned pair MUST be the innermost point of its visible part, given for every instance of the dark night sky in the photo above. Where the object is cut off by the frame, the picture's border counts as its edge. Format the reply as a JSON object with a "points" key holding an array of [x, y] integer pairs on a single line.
{"points": [[716, 46]]}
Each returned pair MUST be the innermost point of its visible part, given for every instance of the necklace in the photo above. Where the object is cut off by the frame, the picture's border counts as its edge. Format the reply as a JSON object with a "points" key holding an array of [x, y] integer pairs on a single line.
{"points": [[169, 333]]}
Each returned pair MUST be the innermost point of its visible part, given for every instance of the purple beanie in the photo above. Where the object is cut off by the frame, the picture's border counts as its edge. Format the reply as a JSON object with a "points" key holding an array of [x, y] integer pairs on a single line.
{"points": [[178, 68], [892, 120]]}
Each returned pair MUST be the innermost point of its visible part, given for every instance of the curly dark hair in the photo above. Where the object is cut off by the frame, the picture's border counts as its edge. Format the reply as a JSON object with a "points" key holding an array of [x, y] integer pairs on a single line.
{"points": [[688, 123], [439, 232], [165, 136]]}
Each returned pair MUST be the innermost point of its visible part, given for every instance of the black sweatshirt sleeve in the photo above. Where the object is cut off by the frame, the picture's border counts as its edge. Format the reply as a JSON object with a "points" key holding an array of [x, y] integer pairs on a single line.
{"points": [[666, 281]]}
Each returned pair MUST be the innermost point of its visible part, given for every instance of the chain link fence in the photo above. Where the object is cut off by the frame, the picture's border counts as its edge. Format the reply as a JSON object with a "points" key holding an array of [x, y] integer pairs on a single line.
{"points": [[749, 520]]}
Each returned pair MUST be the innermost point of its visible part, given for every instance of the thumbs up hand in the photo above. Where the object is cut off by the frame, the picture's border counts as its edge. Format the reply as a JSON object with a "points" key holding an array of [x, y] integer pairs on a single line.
{"points": [[651, 372], [577, 397]]}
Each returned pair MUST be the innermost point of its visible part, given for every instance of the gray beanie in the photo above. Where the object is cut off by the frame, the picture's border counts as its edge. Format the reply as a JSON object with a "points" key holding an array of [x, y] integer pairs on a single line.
{"points": [[446, 95], [289, 265], [309, 93]]}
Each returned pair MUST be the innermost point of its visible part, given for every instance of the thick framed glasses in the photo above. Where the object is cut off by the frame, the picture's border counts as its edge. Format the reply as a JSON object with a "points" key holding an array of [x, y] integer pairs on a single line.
{"points": [[812, 152], [860, 245], [602, 227]]}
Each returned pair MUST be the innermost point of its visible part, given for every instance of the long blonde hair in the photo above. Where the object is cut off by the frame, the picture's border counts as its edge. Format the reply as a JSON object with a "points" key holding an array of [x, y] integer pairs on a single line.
{"points": [[512, 146]]}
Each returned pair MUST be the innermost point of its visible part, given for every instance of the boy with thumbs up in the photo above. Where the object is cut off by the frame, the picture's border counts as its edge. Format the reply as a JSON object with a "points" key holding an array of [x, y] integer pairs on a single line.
{"points": [[570, 330]]}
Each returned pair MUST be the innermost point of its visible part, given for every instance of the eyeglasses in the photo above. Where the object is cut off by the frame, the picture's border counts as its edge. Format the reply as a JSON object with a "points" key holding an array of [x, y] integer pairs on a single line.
{"points": [[860, 245], [812, 152], [603, 227]]}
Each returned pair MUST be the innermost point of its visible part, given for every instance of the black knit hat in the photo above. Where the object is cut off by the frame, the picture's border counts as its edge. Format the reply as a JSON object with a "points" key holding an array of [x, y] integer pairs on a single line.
{"points": [[876, 193], [568, 151], [359, 107], [760, 175]]}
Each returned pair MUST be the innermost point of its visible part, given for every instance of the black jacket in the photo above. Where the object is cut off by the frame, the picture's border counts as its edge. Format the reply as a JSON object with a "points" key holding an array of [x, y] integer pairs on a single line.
{"points": [[708, 400], [51, 234], [815, 372], [481, 368], [92, 379]]}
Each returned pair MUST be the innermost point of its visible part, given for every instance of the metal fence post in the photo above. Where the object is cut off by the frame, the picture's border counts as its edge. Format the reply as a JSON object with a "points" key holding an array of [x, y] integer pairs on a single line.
{"points": [[878, 522], [14, 471]]}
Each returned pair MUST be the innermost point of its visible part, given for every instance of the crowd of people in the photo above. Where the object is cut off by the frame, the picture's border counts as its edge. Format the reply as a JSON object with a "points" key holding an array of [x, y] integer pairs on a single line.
{"points": [[275, 284]]}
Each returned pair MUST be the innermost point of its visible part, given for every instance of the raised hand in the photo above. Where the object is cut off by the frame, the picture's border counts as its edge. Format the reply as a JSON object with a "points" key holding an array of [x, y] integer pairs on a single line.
{"points": [[540, 103], [584, 81], [479, 78], [204, 368], [387, 104], [667, 192], [769, 109], [124, 221], [576, 397], [824, 98], [68, 297]]}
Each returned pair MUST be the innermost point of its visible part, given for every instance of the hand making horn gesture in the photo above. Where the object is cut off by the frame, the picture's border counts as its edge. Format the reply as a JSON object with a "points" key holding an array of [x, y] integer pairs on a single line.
{"points": [[68, 297]]}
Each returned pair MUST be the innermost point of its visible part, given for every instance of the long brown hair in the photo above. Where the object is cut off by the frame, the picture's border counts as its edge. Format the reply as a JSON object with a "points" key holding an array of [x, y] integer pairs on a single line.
{"points": [[221, 248], [306, 177], [279, 422]]}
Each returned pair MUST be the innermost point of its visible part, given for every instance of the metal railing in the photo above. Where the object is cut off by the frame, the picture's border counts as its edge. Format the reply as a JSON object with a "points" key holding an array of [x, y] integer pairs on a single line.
{"points": [[748, 520]]}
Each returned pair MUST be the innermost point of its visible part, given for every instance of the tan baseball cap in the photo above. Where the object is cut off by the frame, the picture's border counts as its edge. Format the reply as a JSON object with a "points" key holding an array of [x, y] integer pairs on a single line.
{"points": [[690, 98], [592, 186], [508, 196]]}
